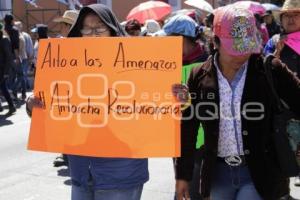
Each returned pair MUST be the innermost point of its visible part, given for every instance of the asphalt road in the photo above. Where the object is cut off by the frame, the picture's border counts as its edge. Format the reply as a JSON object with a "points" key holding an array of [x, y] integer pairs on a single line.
{"points": [[28, 175]]}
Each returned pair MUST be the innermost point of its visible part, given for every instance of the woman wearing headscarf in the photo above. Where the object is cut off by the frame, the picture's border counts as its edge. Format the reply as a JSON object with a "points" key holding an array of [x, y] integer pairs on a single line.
{"points": [[95, 178]]}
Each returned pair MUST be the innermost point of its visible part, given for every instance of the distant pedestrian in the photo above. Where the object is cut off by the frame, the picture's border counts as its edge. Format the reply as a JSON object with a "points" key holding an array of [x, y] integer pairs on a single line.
{"points": [[6, 60], [13, 35]]}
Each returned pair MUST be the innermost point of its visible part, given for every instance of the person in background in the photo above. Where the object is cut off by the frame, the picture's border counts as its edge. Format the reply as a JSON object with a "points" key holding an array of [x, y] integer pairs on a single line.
{"points": [[240, 157], [133, 27], [29, 50], [272, 26], [13, 35], [95, 178], [193, 55], [23, 68], [66, 22], [6, 60]]}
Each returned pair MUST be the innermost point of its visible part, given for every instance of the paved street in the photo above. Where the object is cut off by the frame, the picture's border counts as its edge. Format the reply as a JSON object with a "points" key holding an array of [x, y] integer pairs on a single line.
{"points": [[27, 175]]}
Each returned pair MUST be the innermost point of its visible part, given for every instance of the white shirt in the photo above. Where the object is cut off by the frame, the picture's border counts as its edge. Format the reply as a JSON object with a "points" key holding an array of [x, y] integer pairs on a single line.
{"points": [[230, 127]]}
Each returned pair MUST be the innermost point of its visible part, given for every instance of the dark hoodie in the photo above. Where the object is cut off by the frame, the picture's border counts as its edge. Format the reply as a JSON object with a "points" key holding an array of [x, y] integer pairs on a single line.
{"points": [[104, 13], [107, 173]]}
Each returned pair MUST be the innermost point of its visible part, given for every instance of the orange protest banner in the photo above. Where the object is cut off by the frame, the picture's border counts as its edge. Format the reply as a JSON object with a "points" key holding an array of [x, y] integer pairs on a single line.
{"points": [[107, 97]]}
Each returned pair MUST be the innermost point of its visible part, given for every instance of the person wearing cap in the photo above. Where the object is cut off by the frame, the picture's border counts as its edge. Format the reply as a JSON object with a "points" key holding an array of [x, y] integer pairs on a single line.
{"points": [[66, 21], [6, 60], [133, 27], [230, 96], [272, 26]]}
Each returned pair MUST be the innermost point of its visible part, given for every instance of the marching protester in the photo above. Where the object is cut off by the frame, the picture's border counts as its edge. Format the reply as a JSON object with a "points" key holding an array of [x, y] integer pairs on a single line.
{"points": [[6, 62], [102, 178], [241, 158], [13, 35], [29, 50], [21, 70]]}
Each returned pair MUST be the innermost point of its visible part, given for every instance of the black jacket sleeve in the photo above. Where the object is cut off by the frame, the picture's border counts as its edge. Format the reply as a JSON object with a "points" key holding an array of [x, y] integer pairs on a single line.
{"points": [[189, 128], [287, 85]]}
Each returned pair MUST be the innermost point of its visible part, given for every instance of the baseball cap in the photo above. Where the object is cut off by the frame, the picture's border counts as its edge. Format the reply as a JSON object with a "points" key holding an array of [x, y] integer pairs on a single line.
{"points": [[236, 28], [69, 17], [180, 25]]}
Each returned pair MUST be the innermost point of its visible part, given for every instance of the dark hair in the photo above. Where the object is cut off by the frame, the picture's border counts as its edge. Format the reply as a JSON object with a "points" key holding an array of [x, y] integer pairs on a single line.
{"points": [[8, 19], [211, 46], [42, 32], [217, 40], [209, 19], [133, 25], [1, 34]]}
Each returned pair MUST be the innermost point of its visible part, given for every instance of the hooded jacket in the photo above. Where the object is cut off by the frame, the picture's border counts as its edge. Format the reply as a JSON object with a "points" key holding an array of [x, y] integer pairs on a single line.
{"points": [[106, 16], [105, 173]]}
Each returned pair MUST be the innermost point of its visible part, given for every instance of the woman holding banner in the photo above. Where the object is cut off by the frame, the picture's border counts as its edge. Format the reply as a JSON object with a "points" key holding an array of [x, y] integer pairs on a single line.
{"points": [[102, 178]]}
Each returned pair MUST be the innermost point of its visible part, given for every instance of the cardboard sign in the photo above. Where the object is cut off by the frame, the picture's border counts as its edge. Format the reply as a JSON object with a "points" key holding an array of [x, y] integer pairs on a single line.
{"points": [[293, 41], [108, 97]]}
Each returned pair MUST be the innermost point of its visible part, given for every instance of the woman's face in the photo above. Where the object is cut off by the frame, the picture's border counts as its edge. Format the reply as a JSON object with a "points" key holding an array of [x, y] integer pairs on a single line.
{"points": [[291, 22], [94, 27]]}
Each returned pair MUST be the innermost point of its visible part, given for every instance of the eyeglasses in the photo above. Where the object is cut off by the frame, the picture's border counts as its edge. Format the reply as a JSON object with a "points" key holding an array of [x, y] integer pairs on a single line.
{"points": [[96, 31], [290, 16]]}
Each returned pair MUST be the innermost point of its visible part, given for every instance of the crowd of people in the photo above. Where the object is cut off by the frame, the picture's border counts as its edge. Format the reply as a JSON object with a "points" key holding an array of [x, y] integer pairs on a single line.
{"points": [[229, 53]]}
